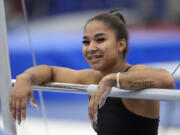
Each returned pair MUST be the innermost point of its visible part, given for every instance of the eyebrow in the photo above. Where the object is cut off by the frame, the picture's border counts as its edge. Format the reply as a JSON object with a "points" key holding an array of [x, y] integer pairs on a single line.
{"points": [[97, 35]]}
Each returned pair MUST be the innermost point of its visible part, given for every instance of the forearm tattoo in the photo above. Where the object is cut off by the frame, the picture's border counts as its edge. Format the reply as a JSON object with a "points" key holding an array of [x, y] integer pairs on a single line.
{"points": [[113, 83], [141, 84]]}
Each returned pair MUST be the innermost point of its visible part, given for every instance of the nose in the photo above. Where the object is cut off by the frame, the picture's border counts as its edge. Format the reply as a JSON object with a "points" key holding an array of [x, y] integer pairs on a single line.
{"points": [[92, 47]]}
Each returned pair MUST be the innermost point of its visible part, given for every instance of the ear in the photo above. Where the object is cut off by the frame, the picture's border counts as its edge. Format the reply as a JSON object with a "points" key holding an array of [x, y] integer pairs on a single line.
{"points": [[122, 45]]}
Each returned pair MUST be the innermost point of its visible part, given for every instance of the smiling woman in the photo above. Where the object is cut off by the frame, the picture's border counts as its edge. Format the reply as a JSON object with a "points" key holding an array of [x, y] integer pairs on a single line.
{"points": [[105, 47], [100, 46]]}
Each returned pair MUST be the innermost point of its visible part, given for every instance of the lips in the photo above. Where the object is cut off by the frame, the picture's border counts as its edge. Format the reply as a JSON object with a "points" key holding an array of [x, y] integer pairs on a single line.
{"points": [[94, 58]]}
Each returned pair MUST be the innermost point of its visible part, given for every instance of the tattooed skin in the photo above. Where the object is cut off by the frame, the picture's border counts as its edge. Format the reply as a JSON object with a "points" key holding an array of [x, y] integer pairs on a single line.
{"points": [[140, 84], [113, 83]]}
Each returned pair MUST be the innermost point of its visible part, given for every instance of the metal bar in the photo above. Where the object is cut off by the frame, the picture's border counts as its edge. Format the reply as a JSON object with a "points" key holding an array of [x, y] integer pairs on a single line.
{"points": [[149, 94], [5, 75], [60, 87]]}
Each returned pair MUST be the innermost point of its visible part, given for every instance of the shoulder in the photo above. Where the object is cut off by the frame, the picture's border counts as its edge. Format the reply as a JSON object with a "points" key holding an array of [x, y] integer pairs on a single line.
{"points": [[147, 68], [139, 67]]}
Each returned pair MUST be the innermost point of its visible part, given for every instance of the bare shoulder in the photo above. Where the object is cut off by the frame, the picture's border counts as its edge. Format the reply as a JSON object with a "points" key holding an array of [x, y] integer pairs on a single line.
{"points": [[149, 69], [139, 67]]}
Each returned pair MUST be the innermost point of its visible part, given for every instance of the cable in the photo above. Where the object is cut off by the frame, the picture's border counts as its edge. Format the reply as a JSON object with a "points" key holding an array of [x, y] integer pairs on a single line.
{"points": [[170, 108], [34, 64], [175, 69]]}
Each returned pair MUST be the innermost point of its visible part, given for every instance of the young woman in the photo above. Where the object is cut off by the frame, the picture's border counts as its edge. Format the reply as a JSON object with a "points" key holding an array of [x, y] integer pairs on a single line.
{"points": [[105, 45]]}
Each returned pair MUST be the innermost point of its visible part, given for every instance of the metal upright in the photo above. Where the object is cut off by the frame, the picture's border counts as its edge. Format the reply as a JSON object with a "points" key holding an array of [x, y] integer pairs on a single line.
{"points": [[5, 74]]}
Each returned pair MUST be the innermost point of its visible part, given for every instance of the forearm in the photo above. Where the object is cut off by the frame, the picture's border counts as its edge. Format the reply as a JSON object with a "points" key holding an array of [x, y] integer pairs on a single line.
{"points": [[142, 79], [148, 78], [37, 75]]}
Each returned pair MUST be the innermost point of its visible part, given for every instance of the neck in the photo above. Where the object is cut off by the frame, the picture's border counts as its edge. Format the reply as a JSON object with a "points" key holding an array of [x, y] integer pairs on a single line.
{"points": [[118, 67]]}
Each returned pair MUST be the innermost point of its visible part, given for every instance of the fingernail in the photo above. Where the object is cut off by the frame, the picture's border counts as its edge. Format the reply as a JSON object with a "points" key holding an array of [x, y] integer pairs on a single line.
{"points": [[35, 106], [99, 106], [95, 118], [91, 122]]}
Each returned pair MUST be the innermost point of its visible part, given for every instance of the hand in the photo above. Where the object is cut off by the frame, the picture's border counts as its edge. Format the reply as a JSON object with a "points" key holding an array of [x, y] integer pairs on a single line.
{"points": [[22, 90], [99, 96]]}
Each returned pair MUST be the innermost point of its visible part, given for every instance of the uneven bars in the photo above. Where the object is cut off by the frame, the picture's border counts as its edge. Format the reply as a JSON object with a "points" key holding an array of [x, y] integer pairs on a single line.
{"points": [[149, 94]]}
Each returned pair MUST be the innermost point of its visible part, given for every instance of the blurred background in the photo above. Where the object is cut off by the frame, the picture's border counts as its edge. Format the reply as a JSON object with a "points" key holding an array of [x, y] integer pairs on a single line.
{"points": [[56, 30]]}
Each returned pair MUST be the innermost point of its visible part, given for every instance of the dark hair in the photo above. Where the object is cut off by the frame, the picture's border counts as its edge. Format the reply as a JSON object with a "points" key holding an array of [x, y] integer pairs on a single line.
{"points": [[115, 21]]}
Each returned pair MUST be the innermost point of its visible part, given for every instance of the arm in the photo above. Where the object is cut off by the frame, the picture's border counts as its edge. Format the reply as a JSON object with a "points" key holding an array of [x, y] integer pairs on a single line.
{"points": [[142, 77], [137, 78], [22, 90], [44, 74]]}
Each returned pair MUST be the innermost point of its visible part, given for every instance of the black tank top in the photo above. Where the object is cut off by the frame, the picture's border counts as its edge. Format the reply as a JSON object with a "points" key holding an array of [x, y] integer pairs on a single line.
{"points": [[115, 119]]}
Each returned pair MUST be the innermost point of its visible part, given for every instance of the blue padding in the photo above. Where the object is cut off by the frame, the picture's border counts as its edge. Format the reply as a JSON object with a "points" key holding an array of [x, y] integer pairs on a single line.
{"points": [[62, 6], [162, 52]]}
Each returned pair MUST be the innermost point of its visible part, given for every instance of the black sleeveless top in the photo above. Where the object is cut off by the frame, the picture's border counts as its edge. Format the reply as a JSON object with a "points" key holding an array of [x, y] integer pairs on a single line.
{"points": [[115, 119]]}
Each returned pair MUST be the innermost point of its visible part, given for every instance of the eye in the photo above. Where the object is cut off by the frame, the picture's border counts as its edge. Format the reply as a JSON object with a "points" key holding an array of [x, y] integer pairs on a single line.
{"points": [[100, 40], [85, 42]]}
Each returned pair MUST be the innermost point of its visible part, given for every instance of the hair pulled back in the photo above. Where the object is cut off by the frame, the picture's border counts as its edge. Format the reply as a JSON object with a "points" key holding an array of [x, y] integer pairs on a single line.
{"points": [[115, 21]]}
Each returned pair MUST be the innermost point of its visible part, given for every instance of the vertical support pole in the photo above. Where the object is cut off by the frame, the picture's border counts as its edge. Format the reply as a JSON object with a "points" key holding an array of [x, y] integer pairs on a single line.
{"points": [[5, 74]]}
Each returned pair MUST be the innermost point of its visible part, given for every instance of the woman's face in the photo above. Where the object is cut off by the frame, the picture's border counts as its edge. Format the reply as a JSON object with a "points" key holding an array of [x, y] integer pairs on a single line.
{"points": [[100, 47]]}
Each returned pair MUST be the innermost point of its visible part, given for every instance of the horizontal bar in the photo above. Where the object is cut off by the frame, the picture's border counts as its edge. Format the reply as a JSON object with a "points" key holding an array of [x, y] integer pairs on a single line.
{"points": [[60, 87], [149, 94]]}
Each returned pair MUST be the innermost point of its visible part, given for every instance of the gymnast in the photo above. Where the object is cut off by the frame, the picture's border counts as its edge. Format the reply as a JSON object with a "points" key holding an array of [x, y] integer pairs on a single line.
{"points": [[105, 46]]}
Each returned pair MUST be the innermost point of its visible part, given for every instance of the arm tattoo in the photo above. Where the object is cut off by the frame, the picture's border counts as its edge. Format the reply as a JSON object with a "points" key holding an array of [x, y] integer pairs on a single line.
{"points": [[141, 84], [114, 83]]}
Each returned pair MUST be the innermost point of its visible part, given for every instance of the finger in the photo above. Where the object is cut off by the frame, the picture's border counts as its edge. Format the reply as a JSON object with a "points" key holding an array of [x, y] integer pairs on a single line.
{"points": [[90, 108], [23, 109], [103, 98], [89, 113], [32, 101], [11, 103], [18, 111], [97, 99], [13, 108], [95, 105]]}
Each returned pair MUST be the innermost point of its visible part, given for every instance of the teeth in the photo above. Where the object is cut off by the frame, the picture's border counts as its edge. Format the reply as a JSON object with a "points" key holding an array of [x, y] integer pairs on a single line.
{"points": [[93, 57]]}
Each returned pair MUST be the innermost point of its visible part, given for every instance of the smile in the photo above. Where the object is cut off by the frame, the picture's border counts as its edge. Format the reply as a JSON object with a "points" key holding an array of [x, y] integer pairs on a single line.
{"points": [[94, 59]]}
